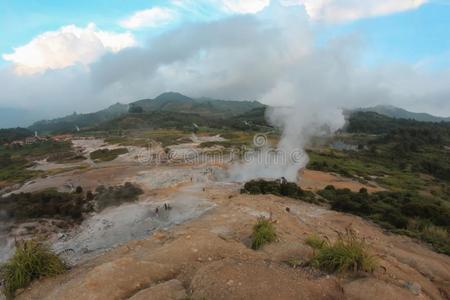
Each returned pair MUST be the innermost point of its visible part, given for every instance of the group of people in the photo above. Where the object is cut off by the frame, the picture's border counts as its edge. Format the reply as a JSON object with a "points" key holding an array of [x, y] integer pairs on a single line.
{"points": [[166, 207]]}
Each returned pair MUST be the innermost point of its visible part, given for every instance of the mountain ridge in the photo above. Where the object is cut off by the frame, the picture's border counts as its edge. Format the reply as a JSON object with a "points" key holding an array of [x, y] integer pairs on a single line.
{"points": [[400, 113], [203, 106], [169, 102]]}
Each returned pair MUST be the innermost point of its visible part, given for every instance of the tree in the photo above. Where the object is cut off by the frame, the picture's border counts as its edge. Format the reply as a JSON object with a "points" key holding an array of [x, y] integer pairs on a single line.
{"points": [[134, 109]]}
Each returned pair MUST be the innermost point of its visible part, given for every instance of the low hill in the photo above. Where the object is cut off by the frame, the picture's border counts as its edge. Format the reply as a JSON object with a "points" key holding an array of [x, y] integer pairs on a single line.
{"points": [[164, 111], [177, 102], [400, 113], [155, 119], [76, 121], [251, 120], [375, 123]]}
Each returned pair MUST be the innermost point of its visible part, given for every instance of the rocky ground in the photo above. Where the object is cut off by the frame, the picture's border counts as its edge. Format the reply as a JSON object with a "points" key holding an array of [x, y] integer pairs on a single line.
{"points": [[209, 258], [206, 254]]}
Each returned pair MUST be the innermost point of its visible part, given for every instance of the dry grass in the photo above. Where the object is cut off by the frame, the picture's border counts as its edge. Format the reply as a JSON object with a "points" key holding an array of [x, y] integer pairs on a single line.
{"points": [[31, 261], [263, 233], [347, 254]]}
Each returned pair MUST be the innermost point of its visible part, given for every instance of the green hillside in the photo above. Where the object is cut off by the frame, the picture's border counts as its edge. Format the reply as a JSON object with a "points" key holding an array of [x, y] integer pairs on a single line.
{"points": [[399, 113], [72, 122], [177, 102], [166, 110]]}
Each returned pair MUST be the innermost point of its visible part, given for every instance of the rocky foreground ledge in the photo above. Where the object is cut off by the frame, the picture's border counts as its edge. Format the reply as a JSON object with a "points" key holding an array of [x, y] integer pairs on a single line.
{"points": [[210, 258]]}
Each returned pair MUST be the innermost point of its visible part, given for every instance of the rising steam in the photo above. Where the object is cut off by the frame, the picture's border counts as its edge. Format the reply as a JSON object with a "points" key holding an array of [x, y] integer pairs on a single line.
{"points": [[298, 124]]}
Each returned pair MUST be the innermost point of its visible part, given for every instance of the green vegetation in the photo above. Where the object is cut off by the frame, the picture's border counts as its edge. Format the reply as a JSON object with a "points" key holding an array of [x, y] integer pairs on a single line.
{"points": [[14, 169], [14, 161], [263, 233], [66, 206], [148, 138], [169, 110], [157, 120], [402, 212], [400, 155], [44, 204], [12, 134], [374, 123], [278, 188], [176, 102], [107, 155], [135, 109], [114, 196], [71, 122], [404, 146], [399, 113], [31, 261], [347, 254], [225, 144], [315, 242]]}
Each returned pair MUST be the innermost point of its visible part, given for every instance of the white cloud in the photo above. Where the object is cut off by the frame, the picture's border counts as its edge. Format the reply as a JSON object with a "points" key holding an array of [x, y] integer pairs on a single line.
{"points": [[274, 59], [328, 10], [245, 6], [68, 46], [348, 10], [149, 18]]}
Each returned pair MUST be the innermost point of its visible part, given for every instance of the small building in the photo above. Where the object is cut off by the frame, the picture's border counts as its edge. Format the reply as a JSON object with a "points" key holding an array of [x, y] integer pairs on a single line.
{"points": [[16, 144], [62, 137], [31, 140]]}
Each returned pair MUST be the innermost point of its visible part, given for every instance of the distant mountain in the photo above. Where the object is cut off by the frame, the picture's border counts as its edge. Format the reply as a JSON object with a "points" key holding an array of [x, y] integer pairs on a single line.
{"points": [[177, 102], [184, 107], [251, 120], [400, 113], [75, 121]]}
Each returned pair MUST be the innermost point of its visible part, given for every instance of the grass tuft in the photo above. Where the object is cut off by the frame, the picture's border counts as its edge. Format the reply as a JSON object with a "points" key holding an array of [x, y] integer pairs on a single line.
{"points": [[347, 254], [263, 233], [432, 233], [439, 237], [31, 261], [315, 242]]}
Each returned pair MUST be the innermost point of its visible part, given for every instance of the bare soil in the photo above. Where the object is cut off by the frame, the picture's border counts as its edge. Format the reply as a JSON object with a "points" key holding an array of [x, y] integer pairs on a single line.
{"points": [[209, 258]]}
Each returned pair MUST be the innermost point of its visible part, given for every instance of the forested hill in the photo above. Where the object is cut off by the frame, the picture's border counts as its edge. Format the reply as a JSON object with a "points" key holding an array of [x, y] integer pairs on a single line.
{"points": [[400, 113], [162, 105]]}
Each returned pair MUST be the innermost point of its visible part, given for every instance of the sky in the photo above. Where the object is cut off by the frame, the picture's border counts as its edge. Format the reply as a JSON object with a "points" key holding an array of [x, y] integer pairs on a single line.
{"points": [[57, 57]]}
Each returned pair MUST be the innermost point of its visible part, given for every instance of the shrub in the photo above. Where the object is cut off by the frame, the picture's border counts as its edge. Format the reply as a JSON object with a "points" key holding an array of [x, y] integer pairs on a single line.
{"points": [[107, 155], [263, 233], [31, 261], [114, 196], [438, 237], [397, 211], [44, 204], [78, 190], [89, 196], [432, 232], [278, 188], [347, 254]]}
